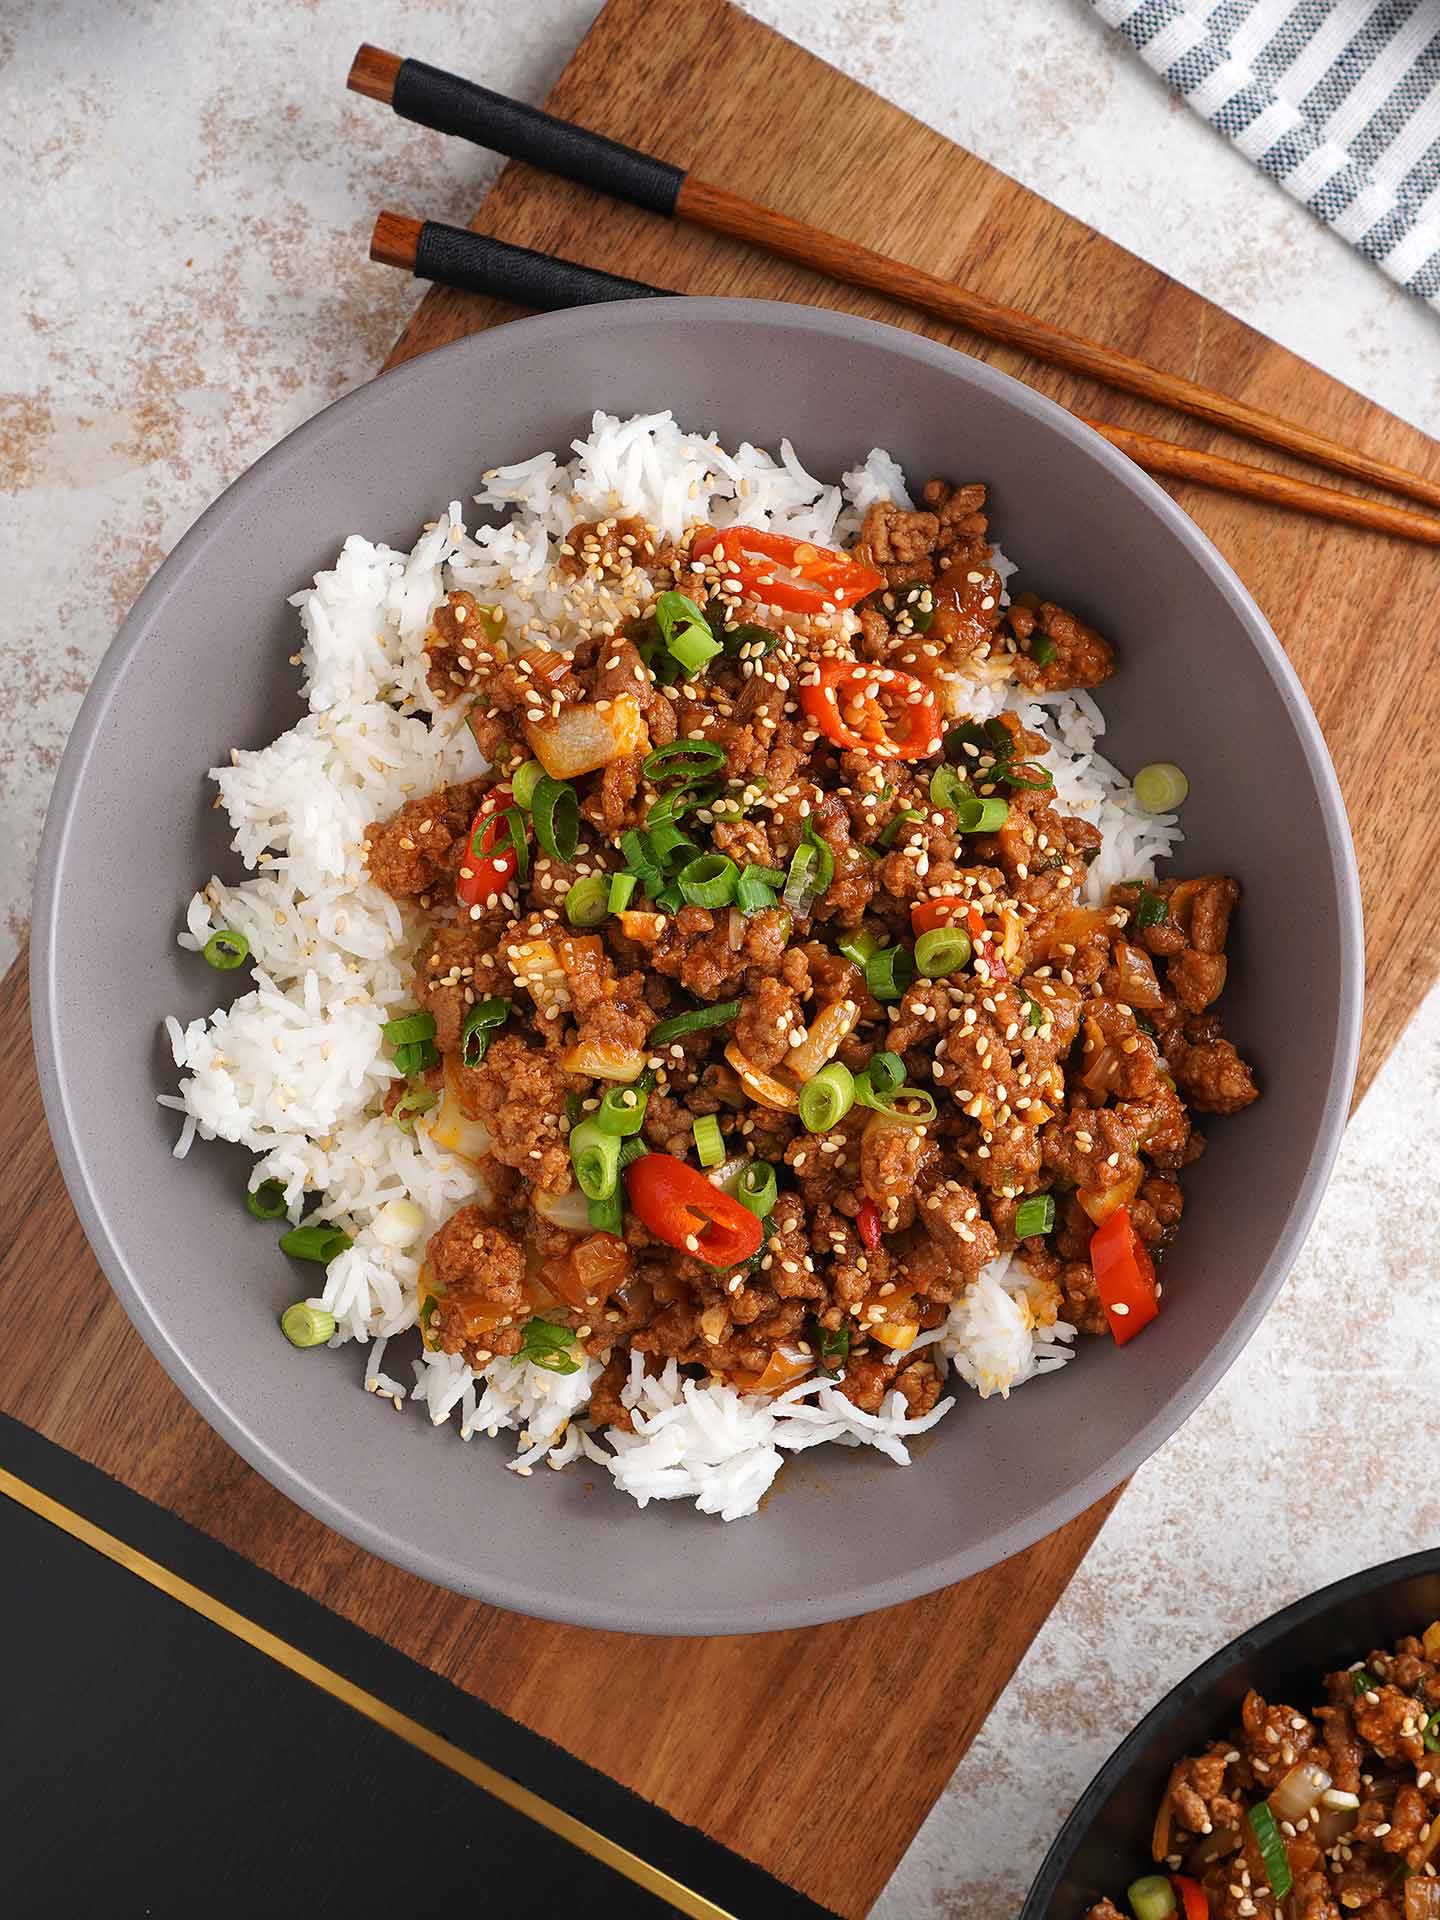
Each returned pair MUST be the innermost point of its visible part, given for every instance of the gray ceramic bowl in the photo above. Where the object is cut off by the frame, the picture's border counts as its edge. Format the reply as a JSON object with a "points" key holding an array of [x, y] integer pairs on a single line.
{"points": [[201, 664]]}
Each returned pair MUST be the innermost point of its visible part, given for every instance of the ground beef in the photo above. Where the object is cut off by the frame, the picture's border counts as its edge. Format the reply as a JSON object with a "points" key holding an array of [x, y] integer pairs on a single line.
{"points": [[420, 846], [1211, 1076], [1078, 656], [463, 646], [769, 1014], [519, 1093], [477, 1275], [456, 967]]}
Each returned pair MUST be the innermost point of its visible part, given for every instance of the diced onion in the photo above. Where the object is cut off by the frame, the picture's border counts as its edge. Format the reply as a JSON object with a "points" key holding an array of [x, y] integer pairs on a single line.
{"points": [[827, 1031], [604, 1060], [643, 927], [899, 1337], [398, 1223], [761, 1086], [568, 1210], [1422, 1897], [1432, 1641], [581, 738], [1298, 1792], [450, 1127], [1101, 1202]]}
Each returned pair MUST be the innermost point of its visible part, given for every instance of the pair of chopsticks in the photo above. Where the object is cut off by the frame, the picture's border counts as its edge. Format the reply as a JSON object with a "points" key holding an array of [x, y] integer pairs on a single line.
{"points": [[457, 257]]}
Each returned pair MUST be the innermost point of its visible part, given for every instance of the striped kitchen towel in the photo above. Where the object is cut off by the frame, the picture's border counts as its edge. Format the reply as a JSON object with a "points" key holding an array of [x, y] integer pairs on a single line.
{"points": [[1338, 100]]}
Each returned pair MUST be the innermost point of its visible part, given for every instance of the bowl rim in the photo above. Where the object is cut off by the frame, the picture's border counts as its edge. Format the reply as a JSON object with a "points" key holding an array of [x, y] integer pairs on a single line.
{"points": [[1254, 1640], [876, 1589]]}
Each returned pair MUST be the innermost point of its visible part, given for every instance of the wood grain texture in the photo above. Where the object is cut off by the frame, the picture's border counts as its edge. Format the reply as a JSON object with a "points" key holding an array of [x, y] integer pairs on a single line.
{"points": [[815, 1753]]}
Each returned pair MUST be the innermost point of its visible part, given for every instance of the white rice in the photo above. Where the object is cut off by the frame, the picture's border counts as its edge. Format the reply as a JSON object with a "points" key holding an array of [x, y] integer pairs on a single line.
{"points": [[294, 1068]]}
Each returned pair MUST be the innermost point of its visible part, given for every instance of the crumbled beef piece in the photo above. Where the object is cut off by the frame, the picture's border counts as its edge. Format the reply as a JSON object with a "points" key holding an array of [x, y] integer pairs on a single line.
{"points": [[951, 1216], [1211, 1076], [1275, 1737], [462, 647], [421, 844], [769, 1014], [1156, 1209], [963, 528], [892, 1159], [1391, 1724], [456, 967], [519, 1093], [1198, 1794], [477, 1275], [1076, 1280], [612, 547], [787, 1261], [1093, 1147], [1078, 655], [606, 1408], [896, 542]]}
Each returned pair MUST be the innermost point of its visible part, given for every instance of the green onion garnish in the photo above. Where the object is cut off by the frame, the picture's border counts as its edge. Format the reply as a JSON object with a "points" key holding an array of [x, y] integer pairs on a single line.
{"points": [[1151, 910], [1161, 787], [709, 881], [669, 899], [756, 1188], [416, 1099], [322, 1243], [709, 1141], [1272, 1849], [942, 950], [555, 814], [885, 1072], [524, 781], [1363, 1681], [917, 600], [756, 887], [800, 890], [622, 1110], [890, 832], [858, 946], [226, 949], [758, 640], [506, 833], [824, 856], [1430, 1734], [588, 901], [631, 1150], [544, 1343], [959, 740], [1026, 774], [607, 1215], [1035, 1214], [595, 1156], [693, 1021], [1153, 1897], [417, 1056], [622, 890], [947, 789], [685, 631], [478, 1029], [1042, 652], [267, 1201], [911, 1107], [305, 1326], [825, 1100], [982, 816], [689, 756], [834, 1346], [667, 841], [410, 1027], [1035, 1014], [889, 972]]}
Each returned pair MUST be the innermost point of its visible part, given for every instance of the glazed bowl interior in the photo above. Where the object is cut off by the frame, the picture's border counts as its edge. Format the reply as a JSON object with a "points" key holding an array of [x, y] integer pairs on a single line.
{"points": [[1105, 1844], [202, 664]]}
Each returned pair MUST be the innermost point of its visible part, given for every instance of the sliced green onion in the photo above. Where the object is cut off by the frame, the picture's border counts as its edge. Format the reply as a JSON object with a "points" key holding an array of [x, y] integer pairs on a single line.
{"points": [[1042, 652], [889, 972], [607, 1215], [756, 887], [669, 899], [800, 889], [409, 1027], [1035, 1214], [1363, 1681], [574, 1110], [692, 755], [622, 890], [226, 949], [544, 1343], [1001, 740], [756, 1188], [910, 1106], [825, 1100], [1151, 1898], [416, 1056], [632, 1150], [834, 1346], [1272, 1849], [942, 950], [693, 1021], [1430, 1734], [709, 881], [759, 640], [1161, 787], [886, 1071], [622, 1110], [267, 1201], [982, 816], [666, 840], [959, 740], [947, 789], [506, 833], [555, 813], [858, 947], [524, 781], [321, 1242], [1151, 910], [478, 1029], [1035, 1014], [912, 599], [306, 1326], [709, 1141], [685, 631], [890, 832], [595, 1156], [824, 856], [416, 1099], [1026, 774], [588, 901]]}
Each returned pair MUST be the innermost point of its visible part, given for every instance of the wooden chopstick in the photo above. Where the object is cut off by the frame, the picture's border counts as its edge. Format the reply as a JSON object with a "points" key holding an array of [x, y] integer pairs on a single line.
{"points": [[475, 261], [441, 100]]}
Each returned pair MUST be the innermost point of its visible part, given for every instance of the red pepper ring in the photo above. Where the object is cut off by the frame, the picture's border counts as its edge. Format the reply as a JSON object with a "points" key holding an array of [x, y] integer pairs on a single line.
{"points": [[685, 1210], [814, 579], [1124, 1276], [843, 701], [483, 873], [1192, 1897], [867, 1222]]}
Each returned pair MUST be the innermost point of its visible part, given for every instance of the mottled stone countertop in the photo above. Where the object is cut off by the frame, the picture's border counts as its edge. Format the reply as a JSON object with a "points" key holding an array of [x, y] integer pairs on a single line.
{"points": [[189, 192]]}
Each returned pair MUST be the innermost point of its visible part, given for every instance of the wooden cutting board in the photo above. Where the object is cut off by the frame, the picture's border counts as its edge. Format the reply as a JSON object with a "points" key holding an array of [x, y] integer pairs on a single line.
{"points": [[817, 1754]]}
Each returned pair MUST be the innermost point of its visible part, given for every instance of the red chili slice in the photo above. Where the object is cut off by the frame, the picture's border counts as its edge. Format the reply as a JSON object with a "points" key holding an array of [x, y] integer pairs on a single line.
{"points": [[778, 571], [484, 873], [867, 1221], [845, 703], [1124, 1276], [1192, 1897], [682, 1208]]}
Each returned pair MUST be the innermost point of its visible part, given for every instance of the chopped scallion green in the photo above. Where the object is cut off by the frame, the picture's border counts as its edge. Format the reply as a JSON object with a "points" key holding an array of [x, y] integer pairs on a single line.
{"points": [[825, 1100], [693, 1021], [1161, 787], [942, 950], [756, 1188], [709, 1141], [306, 1326], [1035, 1214], [588, 900], [267, 1201]]}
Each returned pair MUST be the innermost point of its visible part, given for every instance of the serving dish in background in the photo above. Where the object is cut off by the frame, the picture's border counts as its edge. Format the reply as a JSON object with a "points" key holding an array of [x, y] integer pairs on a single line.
{"points": [[202, 663]]}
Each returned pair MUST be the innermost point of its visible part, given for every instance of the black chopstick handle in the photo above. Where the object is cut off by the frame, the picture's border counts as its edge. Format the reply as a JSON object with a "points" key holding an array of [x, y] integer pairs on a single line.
{"points": [[459, 258], [442, 100]]}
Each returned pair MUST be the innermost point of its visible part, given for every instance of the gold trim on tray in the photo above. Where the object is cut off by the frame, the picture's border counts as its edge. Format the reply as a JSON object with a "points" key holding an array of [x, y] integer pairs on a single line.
{"points": [[439, 1749]]}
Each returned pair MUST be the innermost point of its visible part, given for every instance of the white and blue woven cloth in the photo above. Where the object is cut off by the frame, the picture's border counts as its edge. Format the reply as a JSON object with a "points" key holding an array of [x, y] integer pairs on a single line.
{"points": [[1338, 100]]}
